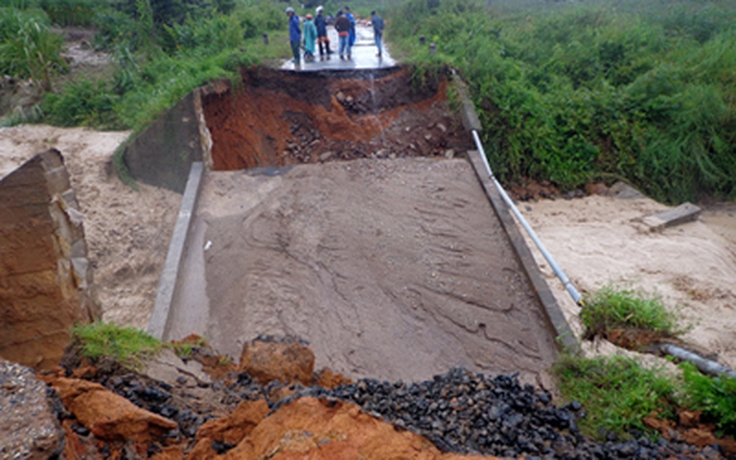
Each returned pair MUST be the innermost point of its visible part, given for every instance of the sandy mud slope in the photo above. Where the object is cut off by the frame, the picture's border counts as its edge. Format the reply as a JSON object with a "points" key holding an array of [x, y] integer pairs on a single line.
{"points": [[598, 240], [127, 231], [394, 269]]}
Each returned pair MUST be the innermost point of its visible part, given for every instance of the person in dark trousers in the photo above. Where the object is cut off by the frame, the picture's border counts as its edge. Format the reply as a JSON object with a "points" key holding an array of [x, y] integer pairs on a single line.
{"points": [[322, 40], [295, 34], [351, 18], [342, 26], [378, 27]]}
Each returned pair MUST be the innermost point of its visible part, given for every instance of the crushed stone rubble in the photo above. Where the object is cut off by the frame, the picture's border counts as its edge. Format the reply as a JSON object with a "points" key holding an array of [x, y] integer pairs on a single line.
{"points": [[472, 413]]}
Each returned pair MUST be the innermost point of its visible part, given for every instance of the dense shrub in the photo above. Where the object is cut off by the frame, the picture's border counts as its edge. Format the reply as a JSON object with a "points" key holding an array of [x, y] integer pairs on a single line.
{"points": [[28, 49], [83, 103], [576, 93]]}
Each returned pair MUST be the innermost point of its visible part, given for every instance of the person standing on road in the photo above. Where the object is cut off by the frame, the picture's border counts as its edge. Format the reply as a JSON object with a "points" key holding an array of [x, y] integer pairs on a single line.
{"points": [[351, 18], [310, 35], [295, 34], [322, 38], [378, 27], [342, 26]]}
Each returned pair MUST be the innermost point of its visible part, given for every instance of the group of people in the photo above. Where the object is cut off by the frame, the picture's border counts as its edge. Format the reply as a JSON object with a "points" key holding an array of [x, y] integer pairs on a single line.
{"points": [[315, 32]]}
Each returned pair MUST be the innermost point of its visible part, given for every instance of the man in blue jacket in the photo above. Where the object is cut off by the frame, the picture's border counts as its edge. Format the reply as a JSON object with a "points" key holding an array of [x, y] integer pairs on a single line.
{"points": [[351, 18], [295, 34]]}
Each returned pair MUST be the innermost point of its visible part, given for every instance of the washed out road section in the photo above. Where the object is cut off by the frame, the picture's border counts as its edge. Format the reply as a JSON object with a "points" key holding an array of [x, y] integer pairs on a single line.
{"points": [[392, 269]]}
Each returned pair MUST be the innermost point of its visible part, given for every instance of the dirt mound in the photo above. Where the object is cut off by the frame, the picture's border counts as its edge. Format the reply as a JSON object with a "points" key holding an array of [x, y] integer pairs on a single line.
{"points": [[278, 119]]}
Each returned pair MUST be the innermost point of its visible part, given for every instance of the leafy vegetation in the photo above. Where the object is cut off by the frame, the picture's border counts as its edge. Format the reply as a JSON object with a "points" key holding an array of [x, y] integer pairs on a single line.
{"points": [[583, 92], [610, 308], [716, 397], [124, 345], [162, 50], [617, 393], [28, 49]]}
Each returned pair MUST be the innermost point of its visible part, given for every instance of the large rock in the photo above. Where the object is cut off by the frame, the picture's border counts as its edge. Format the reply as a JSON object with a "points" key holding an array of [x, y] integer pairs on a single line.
{"points": [[29, 428], [310, 428], [228, 430], [44, 270], [287, 360], [110, 417]]}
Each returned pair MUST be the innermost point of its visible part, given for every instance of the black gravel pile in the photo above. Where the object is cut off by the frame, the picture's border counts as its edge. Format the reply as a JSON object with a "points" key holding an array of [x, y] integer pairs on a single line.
{"points": [[471, 413], [157, 397]]}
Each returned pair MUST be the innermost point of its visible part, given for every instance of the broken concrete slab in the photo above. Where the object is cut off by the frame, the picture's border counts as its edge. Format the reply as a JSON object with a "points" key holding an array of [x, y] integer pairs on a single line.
{"points": [[168, 367], [686, 212]]}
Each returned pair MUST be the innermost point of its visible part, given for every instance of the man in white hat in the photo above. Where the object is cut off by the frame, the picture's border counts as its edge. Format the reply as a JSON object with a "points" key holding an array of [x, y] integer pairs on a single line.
{"points": [[322, 38]]}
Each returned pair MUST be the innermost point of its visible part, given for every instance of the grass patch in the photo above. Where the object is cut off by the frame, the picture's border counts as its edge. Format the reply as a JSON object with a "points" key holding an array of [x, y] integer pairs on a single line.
{"points": [[617, 393], [715, 397], [126, 346], [612, 309]]}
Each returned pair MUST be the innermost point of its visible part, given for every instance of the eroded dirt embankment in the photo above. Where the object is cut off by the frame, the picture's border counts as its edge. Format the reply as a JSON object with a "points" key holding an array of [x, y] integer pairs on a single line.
{"points": [[277, 119]]}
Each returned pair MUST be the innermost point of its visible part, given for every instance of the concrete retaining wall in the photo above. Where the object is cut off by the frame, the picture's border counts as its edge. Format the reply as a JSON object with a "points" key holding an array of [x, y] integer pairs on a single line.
{"points": [[163, 153]]}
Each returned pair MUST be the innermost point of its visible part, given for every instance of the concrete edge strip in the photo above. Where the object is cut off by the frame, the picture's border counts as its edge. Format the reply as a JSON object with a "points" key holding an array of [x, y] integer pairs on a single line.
{"points": [[554, 316], [565, 337], [169, 276]]}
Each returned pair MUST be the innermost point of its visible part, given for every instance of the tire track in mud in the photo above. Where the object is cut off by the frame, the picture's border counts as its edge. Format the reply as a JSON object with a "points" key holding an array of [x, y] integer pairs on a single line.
{"points": [[394, 269]]}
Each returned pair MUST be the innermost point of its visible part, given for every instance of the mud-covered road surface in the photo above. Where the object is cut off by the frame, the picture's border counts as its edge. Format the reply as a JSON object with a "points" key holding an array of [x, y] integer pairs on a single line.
{"points": [[394, 269]]}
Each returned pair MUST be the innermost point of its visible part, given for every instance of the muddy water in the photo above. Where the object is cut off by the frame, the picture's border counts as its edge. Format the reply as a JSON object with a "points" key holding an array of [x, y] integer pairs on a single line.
{"points": [[393, 269]]}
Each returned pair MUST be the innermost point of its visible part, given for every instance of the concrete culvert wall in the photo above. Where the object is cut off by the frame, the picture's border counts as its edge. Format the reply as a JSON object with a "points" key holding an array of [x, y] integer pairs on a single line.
{"points": [[278, 119]]}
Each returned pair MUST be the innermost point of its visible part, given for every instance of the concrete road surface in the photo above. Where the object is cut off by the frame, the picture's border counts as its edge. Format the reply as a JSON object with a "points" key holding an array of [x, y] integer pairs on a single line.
{"points": [[363, 54]]}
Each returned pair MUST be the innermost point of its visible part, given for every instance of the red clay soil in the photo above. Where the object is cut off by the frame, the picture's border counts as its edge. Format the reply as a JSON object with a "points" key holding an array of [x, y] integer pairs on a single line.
{"points": [[278, 119], [310, 428]]}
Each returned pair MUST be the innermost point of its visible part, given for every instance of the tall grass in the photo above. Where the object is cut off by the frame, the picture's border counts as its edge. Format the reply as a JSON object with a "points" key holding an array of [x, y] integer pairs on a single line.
{"points": [[576, 93], [617, 393], [28, 49], [610, 308]]}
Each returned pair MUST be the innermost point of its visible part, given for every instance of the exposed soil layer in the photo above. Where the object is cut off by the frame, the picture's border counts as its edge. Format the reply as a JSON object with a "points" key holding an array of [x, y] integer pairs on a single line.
{"points": [[278, 119], [395, 269]]}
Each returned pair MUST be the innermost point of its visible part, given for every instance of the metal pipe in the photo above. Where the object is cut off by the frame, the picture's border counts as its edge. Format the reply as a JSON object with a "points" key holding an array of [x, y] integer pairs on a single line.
{"points": [[558, 271], [704, 365]]}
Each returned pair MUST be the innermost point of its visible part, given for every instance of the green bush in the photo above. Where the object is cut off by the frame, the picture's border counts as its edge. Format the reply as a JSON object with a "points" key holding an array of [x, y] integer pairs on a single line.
{"points": [[583, 92], [716, 397], [69, 12], [82, 103], [28, 49]]}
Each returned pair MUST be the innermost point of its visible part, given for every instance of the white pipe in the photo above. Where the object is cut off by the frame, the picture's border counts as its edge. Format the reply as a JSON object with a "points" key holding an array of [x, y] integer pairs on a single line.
{"points": [[704, 365], [558, 271]]}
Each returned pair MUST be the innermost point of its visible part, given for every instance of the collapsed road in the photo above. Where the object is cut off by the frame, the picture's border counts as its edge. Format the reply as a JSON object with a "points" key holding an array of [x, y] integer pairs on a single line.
{"points": [[392, 262]]}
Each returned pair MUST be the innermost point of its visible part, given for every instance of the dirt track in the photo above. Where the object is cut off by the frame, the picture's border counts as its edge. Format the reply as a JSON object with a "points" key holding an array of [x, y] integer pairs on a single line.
{"points": [[393, 269]]}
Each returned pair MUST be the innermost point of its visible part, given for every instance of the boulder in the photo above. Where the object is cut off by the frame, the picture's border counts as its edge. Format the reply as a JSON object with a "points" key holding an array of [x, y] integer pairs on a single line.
{"points": [[288, 360], [110, 417], [29, 428]]}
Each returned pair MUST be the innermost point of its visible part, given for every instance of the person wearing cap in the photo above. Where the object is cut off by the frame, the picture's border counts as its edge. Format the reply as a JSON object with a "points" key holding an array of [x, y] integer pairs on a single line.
{"points": [[342, 26], [378, 27], [295, 34], [310, 35], [351, 18], [322, 39]]}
